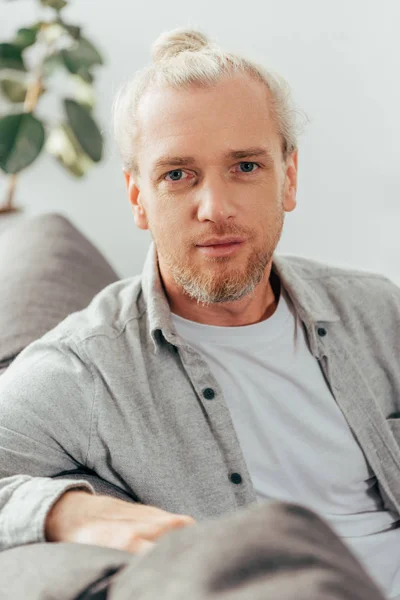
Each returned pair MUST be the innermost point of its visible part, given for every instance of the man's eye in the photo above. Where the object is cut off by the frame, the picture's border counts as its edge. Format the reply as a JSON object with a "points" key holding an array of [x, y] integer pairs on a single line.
{"points": [[248, 167], [175, 175]]}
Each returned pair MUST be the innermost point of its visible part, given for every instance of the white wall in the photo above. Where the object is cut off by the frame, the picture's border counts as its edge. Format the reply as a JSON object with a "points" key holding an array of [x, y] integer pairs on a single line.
{"points": [[342, 59]]}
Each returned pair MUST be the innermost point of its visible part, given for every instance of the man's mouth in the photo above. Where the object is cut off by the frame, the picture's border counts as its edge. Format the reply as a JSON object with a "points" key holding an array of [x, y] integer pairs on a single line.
{"points": [[222, 241], [221, 249]]}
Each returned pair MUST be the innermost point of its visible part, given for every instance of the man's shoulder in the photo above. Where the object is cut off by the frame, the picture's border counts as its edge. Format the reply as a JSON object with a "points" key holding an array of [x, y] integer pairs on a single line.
{"points": [[107, 314], [339, 282], [308, 268]]}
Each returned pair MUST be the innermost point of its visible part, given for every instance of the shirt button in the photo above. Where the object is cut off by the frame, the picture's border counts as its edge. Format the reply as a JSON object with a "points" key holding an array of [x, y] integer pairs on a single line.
{"points": [[236, 478], [208, 393], [322, 331]]}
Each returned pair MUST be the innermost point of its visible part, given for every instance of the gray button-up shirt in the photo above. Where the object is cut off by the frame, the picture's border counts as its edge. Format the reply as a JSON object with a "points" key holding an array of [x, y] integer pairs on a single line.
{"points": [[114, 391]]}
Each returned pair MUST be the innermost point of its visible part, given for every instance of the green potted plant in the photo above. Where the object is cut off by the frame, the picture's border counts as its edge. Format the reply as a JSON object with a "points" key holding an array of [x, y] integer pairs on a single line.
{"points": [[28, 64]]}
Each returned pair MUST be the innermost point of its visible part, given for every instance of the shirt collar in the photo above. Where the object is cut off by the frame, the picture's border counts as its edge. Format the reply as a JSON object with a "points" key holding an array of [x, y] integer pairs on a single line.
{"points": [[309, 304], [156, 302], [311, 308]]}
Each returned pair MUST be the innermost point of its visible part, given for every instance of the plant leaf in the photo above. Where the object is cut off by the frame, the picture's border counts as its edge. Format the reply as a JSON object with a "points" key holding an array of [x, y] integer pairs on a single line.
{"points": [[81, 54], [21, 141], [25, 37], [51, 63], [69, 62], [88, 53], [14, 90], [57, 4], [85, 129], [63, 144], [85, 75], [75, 68], [73, 30], [11, 57]]}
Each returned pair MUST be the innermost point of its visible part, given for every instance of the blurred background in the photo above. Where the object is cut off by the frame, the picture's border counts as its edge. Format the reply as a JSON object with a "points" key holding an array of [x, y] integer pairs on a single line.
{"points": [[342, 60]]}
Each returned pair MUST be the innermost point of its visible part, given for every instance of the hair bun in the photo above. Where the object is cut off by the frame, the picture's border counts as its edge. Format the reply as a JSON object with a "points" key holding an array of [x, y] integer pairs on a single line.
{"points": [[172, 43]]}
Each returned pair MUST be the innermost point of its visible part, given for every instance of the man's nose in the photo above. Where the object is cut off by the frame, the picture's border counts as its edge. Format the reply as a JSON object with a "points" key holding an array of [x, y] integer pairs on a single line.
{"points": [[215, 200]]}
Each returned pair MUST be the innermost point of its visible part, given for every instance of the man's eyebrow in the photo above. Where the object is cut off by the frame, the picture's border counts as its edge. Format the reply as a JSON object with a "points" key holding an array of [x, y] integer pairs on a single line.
{"points": [[182, 161], [167, 161], [251, 152]]}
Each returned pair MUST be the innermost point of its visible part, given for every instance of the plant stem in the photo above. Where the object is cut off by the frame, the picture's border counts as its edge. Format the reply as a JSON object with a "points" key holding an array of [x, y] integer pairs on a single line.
{"points": [[32, 94], [7, 206]]}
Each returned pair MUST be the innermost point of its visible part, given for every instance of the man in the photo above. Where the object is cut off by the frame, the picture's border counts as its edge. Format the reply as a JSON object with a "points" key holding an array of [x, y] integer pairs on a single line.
{"points": [[224, 375]]}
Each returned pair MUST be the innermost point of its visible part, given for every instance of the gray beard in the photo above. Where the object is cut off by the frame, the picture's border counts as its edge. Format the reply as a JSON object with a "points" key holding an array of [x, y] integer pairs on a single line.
{"points": [[231, 288]]}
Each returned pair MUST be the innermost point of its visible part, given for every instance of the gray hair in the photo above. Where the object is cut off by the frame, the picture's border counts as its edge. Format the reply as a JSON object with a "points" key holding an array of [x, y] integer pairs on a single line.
{"points": [[183, 58]]}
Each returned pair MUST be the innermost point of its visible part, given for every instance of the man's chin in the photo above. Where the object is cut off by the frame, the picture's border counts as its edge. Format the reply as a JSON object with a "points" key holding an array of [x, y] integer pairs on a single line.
{"points": [[216, 292], [218, 297]]}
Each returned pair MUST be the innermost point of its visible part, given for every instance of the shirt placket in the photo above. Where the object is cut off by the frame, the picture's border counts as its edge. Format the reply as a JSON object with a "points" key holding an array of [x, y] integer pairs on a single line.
{"points": [[215, 408]]}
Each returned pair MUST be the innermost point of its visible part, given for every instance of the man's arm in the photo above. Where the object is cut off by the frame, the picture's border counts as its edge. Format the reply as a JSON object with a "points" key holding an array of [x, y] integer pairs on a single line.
{"points": [[105, 488], [46, 402]]}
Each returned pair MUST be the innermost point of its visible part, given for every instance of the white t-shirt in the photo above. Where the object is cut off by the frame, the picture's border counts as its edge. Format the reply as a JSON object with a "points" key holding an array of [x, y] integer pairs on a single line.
{"points": [[294, 437]]}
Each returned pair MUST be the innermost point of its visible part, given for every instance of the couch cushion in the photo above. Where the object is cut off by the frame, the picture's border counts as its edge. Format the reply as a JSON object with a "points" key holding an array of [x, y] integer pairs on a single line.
{"points": [[48, 270]]}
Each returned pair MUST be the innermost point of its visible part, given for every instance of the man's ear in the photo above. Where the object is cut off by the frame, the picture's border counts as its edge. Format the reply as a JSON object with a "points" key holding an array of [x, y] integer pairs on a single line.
{"points": [[289, 200], [139, 213]]}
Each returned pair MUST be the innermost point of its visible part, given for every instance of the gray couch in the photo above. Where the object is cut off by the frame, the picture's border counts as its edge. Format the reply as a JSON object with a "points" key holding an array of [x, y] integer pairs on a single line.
{"points": [[48, 269]]}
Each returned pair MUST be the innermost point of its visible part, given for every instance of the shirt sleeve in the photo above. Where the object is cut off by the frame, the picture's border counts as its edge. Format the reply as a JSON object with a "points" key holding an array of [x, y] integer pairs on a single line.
{"points": [[46, 406]]}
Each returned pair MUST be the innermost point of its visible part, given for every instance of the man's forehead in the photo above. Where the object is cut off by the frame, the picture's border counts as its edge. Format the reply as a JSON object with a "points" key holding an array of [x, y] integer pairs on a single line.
{"points": [[229, 122], [193, 107]]}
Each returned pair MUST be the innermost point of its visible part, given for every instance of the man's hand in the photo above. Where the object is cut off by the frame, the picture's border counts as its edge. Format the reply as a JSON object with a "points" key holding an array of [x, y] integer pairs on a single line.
{"points": [[83, 518]]}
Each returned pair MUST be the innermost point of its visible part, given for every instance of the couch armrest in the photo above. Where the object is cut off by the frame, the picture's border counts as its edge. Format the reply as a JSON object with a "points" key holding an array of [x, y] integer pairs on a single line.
{"points": [[100, 485]]}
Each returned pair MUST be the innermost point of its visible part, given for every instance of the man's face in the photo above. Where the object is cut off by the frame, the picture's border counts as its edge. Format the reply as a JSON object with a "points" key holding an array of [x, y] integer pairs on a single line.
{"points": [[210, 165]]}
